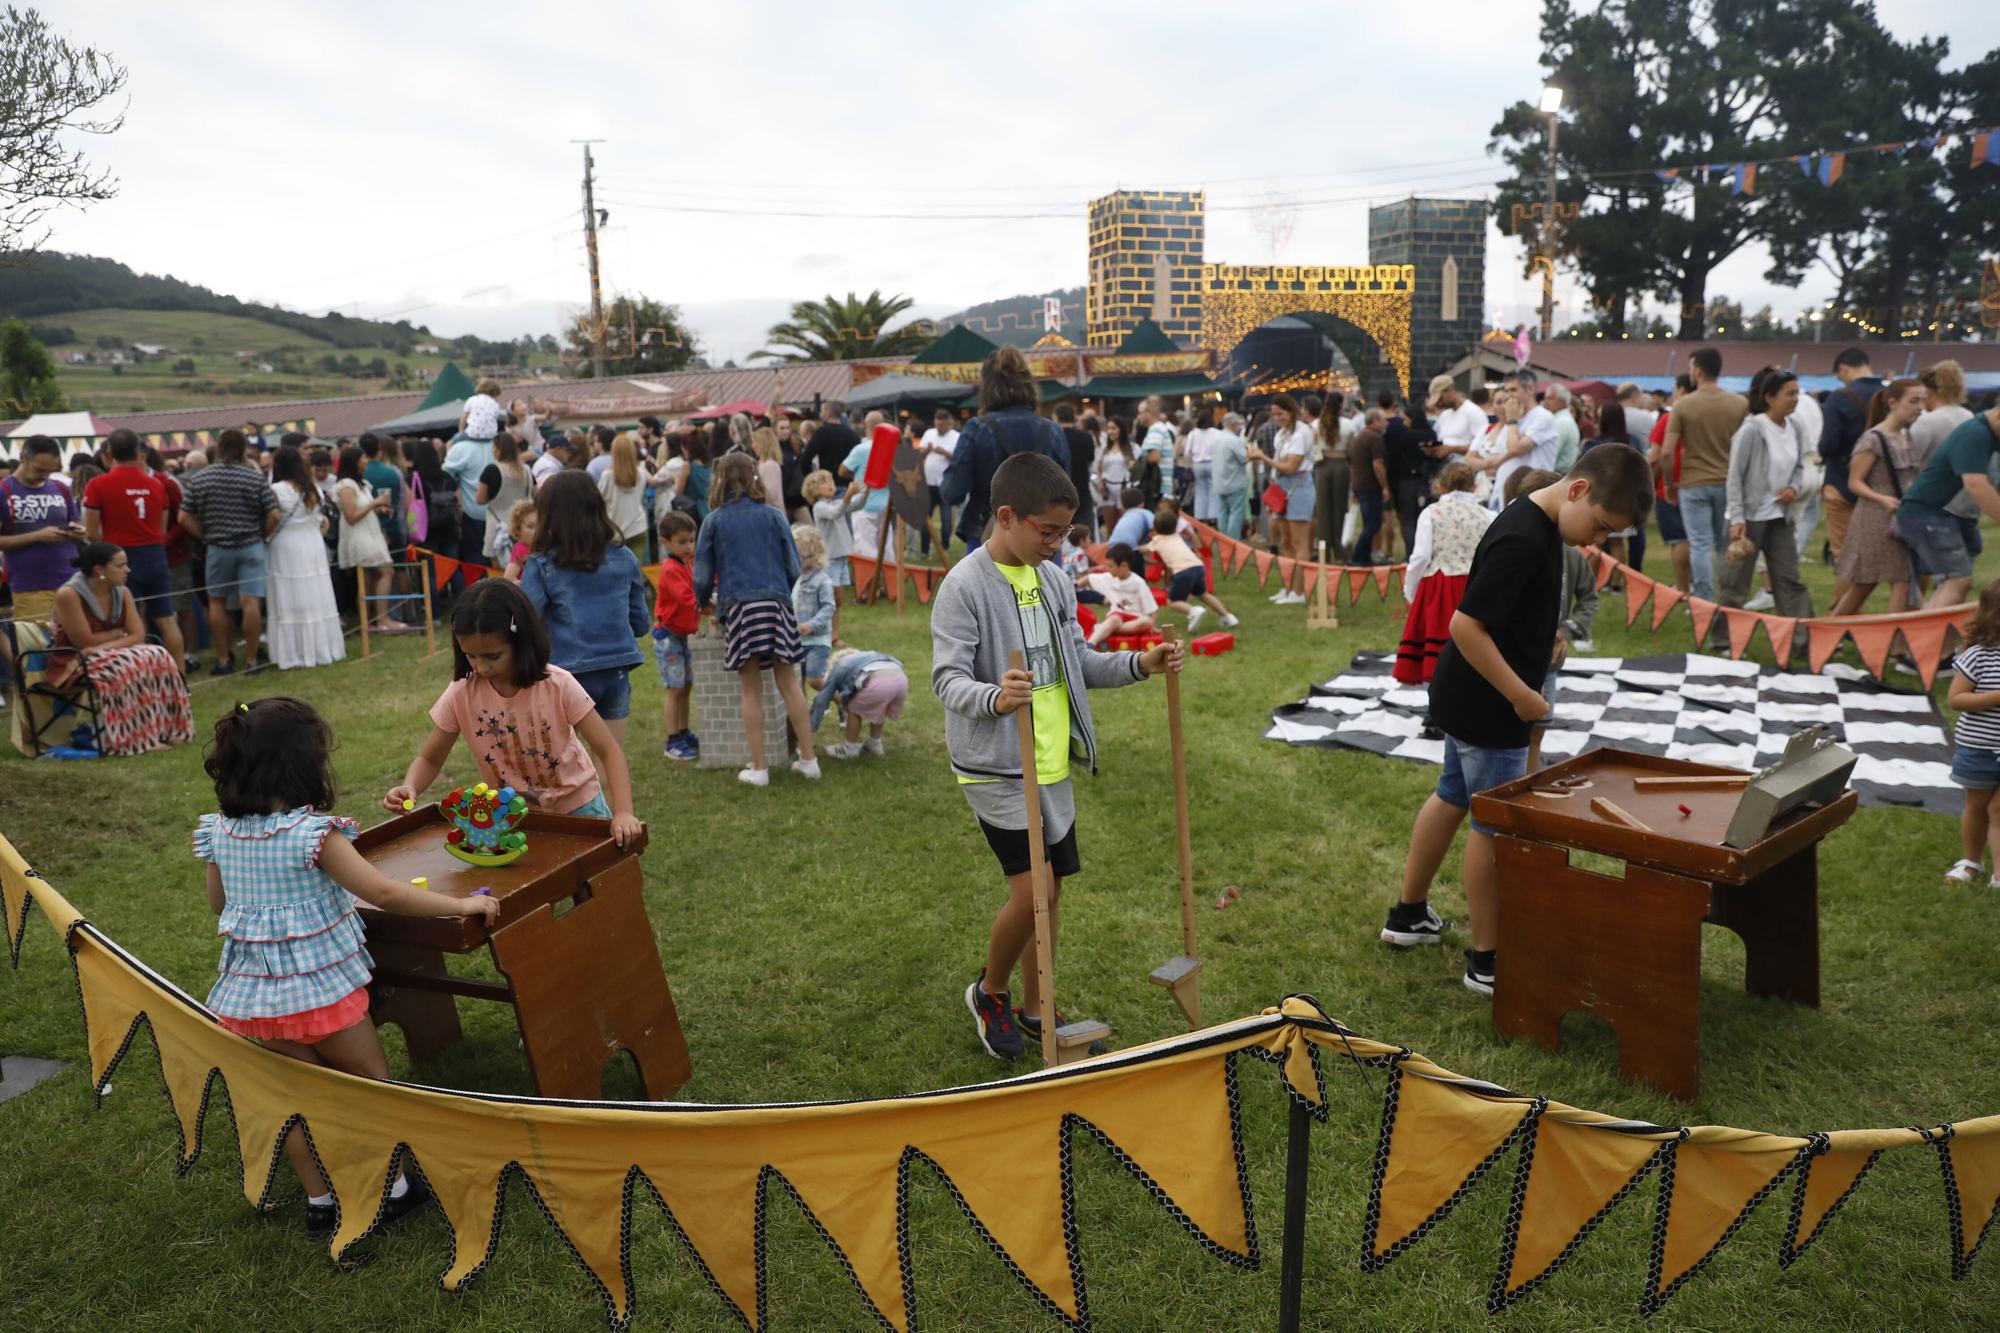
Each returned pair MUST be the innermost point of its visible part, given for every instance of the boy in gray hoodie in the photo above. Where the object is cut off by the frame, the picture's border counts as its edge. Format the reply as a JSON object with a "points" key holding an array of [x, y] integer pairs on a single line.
{"points": [[1010, 596]]}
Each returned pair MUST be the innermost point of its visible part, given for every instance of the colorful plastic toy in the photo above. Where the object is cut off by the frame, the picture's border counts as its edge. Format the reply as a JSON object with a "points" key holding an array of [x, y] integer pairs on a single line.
{"points": [[485, 825]]}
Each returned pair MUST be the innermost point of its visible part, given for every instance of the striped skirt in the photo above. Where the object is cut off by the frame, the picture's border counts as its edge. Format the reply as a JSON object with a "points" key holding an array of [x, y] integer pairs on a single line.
{"points": [[760, 632]]}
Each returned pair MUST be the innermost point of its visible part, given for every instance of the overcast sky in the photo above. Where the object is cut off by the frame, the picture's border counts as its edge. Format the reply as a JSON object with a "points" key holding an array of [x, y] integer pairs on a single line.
{"points": [[415, 160]]}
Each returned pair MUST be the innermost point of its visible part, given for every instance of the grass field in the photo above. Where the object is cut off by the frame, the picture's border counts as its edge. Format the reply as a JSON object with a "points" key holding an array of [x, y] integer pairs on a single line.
{"points": [[818, 938], [154, 386]]}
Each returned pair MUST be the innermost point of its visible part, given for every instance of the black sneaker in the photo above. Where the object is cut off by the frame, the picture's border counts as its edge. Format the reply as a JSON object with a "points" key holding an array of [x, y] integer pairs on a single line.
{"points": [[221, 669], [413, 1198], [1411, 924], [997, 1032], [1031, 1028], [1479, 966], [320, 1217]]}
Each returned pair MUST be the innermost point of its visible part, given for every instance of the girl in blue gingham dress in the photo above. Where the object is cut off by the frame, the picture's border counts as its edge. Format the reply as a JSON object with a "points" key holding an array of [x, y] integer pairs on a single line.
{"points": [[283, 880]]}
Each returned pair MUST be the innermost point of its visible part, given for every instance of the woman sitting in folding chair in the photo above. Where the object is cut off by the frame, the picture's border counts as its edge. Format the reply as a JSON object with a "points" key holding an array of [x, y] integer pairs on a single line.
{"points": [[142, 701]]}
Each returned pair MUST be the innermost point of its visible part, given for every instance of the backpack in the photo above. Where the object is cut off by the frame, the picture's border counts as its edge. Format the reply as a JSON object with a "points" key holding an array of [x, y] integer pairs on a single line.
{"points": [[442, 511]]}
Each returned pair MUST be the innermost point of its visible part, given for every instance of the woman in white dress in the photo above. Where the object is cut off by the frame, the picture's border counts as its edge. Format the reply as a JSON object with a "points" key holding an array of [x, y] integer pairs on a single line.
{"points": [[304, 625], [362, 547]]}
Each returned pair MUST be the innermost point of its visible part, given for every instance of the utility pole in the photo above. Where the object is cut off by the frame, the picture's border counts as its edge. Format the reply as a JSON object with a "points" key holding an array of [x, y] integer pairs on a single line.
{"points": [[590, 247], [1551, 103]]}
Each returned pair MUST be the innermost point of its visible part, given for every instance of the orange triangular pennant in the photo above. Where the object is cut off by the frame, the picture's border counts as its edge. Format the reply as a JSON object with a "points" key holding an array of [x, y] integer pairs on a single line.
{"points": [[1665, 598], [1742, 626], [1924, 635], [1606, 567], [1872, 638], [1781, 631], [1285, 567], [1264, 559], [1822, 642], [922, 577], [1708, 1186], [1701, 611], [1312, 578], [864, 571], [1572, 1172], [1381, 574], [1355, 578], [446, 567], [1437, 1139], [1971, 1162], [1638, 588]]}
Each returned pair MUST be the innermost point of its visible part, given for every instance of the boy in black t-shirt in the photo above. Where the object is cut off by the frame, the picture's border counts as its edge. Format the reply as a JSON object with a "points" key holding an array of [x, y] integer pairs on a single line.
{"points": [[1487, 690]]}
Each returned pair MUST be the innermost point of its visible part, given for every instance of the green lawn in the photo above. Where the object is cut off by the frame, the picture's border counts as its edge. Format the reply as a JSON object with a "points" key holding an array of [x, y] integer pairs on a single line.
{"points": [[818, 938]]}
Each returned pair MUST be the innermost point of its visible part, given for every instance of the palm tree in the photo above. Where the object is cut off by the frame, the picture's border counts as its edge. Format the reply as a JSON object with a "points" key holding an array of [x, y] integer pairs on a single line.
{"points": [[835, 330]]}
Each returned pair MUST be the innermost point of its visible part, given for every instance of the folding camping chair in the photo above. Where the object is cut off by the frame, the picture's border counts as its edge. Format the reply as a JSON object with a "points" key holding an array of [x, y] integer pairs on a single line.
{"points": [[29, 664]]}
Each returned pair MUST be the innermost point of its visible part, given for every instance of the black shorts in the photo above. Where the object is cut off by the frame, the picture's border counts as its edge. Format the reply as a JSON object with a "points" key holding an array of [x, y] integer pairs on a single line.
{"points": [[1010, 847], [1190, 582]]}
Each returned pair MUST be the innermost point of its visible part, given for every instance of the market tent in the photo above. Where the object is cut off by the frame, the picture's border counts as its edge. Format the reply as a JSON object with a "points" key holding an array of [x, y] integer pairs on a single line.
{"points": [[439, 420], [452, 385], [63, 427], [958, 346], [1149, 339], [896, 392]]}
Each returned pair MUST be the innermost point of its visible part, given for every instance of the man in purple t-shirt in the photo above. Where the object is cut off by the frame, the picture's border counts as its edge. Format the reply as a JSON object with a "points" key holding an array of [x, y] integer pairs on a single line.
{"points": [[39, 529]]}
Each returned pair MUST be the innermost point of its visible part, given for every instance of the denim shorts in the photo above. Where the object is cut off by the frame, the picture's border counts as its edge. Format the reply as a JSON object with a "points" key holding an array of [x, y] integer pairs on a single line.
{"points": [[610, 690], [817, 656], [1968, 531], [671, 651], [594, 808], [1669, 513], [1474, 768], [1936, 542], [149, 583], [236, 571], [1975, 769], [1190, 583]]}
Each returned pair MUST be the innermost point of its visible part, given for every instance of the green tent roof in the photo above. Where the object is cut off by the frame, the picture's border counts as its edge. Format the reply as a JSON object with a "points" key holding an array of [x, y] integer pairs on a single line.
{"points": [[959, 345], [451, 385], [1147, 339], [1138, 386]]}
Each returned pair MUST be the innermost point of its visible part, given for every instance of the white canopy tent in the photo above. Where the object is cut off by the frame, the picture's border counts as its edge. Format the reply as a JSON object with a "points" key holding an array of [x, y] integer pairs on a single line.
{"points": [[67, 429]]}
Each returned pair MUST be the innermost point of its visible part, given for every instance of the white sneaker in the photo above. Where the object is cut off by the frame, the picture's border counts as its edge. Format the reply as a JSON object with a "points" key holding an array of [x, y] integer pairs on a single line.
{"points": [[873, 745], [1584, 646], [1230, 622], [806, 768], [1195, 614], [1763, 601], [756, 777], [1293, 599], [1279, 596], [844, 749]]}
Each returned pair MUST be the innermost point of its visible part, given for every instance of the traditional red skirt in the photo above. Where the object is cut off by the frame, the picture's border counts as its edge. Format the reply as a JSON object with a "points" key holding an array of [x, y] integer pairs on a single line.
{"points": [[1428, 627]]}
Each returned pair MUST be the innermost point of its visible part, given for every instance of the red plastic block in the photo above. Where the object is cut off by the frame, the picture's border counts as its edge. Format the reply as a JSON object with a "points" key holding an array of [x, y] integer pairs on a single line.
{"points": [[1131, 643], [1212, 645]]}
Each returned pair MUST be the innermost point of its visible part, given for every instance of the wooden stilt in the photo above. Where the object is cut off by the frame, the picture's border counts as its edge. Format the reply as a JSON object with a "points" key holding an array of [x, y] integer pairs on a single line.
{"points": [[937, 542], [362, 606], [879, 583], [430, 624], [1181, 976], [1324, 613], [1071, 1042], [902, 554]]}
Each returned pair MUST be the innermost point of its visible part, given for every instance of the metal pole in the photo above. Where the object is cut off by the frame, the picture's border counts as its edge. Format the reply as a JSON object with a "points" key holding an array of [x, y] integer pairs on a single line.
{"points": [[1546, 235], [590, 247], [1292, 1264]]}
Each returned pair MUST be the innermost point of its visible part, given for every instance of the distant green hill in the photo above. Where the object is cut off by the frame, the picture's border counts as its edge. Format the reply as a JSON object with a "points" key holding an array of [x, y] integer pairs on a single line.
{"points": [[51, 284], [1018, 319]]}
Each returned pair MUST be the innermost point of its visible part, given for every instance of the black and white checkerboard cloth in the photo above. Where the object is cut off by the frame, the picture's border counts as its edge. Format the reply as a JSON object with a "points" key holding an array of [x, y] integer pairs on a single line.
{"points": [[1687, 706]]}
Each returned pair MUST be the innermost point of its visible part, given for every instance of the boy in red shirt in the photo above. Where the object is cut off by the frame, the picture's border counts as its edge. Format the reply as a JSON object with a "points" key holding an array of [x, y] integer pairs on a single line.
{"points": [[674, 618], [131, 508]]}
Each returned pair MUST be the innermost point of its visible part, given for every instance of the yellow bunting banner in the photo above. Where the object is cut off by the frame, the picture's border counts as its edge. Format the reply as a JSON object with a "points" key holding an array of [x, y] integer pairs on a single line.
{"points": [[1168, 1112]]}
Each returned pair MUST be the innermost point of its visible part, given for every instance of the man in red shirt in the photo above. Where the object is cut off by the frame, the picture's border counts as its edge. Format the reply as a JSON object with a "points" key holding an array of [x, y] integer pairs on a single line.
{"points": [[130, 508]]}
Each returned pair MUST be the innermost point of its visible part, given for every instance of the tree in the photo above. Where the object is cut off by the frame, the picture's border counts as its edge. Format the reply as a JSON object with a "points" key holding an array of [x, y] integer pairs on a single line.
{"points": [[640, 334], [48, 89], [1652, 82], [27, 372], [184, 366], [831, 329], [547, 343]]}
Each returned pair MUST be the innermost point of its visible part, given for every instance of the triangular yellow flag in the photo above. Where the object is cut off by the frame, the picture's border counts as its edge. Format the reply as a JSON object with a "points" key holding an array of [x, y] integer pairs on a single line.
{"points": [[1437, 1140], [1708, 1185], [1828, 1178], [1971, 1162], [1575, 1167]]}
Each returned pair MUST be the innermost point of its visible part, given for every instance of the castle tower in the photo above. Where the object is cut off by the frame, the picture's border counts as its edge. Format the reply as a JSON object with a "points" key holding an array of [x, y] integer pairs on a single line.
{"points": [[1446, 240], [1145, 261]]}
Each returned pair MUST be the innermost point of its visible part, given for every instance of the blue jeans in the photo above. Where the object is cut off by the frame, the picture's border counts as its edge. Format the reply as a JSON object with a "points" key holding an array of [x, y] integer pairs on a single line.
{"points": [[610, 689], [1204, 492], [1476, 768], [1704, 509], [1232, 511], [1936, 541], [1371, 526]]}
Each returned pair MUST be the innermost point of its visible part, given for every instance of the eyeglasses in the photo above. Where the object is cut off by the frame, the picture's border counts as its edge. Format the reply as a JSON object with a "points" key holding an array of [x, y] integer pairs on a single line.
{"points": [[1049, 532]]}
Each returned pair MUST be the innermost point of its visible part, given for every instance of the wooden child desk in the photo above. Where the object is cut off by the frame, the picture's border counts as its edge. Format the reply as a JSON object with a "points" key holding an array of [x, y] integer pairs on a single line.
{"points": [[1630, 950], [584, 985]]}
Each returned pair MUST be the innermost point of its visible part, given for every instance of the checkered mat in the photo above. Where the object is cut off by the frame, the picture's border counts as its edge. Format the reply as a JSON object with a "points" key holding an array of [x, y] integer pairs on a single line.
{"points": [[1687, 706]]}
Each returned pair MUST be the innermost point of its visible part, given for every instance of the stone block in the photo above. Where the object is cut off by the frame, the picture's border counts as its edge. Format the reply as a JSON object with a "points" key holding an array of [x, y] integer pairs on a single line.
{"points": [[718, 710]]}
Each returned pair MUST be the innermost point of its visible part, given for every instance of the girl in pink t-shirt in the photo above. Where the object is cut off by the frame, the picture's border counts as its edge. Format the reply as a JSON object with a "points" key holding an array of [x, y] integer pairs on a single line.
{"points": [[526, 722]]}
